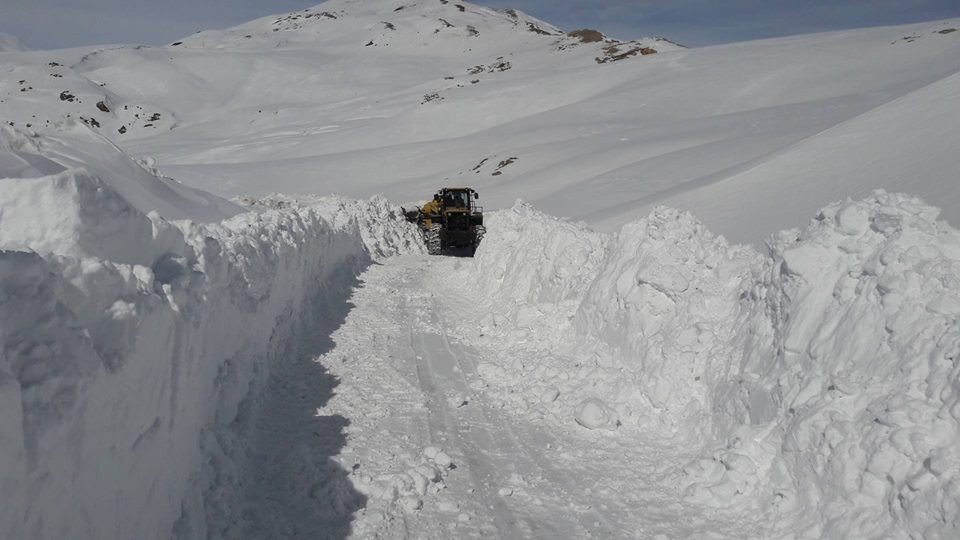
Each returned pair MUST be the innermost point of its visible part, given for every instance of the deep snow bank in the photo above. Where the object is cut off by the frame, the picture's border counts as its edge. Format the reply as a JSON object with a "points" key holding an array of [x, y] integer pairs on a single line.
{"points": [[129, 341], [860, 349], [532, 267], [663, 311], [636, 318], [820, 379]]}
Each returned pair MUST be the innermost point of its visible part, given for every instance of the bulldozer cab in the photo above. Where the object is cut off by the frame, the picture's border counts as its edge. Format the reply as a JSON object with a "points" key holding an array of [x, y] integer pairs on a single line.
{"points": [[458, 199]]}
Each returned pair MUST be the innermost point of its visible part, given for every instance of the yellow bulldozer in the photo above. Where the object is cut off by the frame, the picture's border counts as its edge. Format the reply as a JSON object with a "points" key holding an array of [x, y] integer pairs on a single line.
{"points": [[451, 223]]}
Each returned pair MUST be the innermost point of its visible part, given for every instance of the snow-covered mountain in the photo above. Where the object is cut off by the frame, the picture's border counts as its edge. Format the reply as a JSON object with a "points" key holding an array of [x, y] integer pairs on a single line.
{"points": [[400, 97], [263, 74], [168, 357]]}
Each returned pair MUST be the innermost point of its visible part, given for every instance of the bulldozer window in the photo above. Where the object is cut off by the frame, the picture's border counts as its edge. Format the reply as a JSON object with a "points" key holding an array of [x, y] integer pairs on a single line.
{"points": [[459, 199]]}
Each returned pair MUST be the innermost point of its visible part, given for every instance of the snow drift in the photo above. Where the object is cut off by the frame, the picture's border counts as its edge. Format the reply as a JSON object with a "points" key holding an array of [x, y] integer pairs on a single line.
{"points": [[819, 378], [129, 341], [858, 345]]}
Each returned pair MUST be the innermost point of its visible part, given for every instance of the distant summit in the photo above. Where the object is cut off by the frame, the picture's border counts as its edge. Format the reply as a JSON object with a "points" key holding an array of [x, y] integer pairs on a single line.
{"points": [[446, 26]]}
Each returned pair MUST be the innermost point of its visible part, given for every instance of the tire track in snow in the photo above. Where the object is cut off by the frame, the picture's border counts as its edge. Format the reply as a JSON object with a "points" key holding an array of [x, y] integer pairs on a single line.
{"points": [[443, 429], [492, 445], [519, 438]]}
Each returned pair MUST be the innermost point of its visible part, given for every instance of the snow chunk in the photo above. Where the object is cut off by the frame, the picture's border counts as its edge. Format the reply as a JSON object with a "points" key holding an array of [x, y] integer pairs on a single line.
{"points": [[408, 488], [595, 414]]}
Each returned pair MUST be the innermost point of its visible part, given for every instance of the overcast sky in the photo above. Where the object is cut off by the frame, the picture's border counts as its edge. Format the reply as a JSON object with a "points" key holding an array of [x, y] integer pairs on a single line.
{"points": [[65, 23]]}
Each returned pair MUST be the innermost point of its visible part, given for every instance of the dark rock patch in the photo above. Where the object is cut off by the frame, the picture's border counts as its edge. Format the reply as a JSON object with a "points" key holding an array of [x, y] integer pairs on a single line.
{"points": [[587, 35], [504, 164], [537, 30], [614, 53], [501, 65]]}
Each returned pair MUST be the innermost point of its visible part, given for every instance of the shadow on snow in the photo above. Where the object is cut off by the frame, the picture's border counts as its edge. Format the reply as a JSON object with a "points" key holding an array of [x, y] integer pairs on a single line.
{"points": [[293, 488]]}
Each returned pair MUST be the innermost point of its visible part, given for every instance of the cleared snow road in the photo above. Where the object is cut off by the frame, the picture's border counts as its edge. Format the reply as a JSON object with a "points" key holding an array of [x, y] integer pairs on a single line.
{"points": [[505, 461], [403, 389]]}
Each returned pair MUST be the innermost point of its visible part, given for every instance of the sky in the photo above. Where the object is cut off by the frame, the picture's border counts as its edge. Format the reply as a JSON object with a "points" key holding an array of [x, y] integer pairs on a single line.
{"points": [[46, 24]]}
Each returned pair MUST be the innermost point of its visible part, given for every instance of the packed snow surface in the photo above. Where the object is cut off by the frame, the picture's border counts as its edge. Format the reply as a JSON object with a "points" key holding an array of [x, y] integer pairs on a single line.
{"points": [[290, 364]]}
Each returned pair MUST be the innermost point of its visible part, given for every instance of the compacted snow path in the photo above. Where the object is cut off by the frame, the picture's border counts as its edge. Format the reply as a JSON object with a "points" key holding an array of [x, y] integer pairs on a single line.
{"points": [[487, 442], [428, 453]]}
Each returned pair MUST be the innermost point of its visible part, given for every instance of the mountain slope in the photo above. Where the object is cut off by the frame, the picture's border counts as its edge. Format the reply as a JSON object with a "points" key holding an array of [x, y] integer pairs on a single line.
{"points": [[908, 144], [401, 97]]}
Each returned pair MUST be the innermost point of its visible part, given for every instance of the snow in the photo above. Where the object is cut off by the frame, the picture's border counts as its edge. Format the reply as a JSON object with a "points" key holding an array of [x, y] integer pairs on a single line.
{"points": [[73, 192], [132, 340], [298, 103], [309, 108], [634, 351], [887, 147], [823, 371], [864, 339], [593, 413]]}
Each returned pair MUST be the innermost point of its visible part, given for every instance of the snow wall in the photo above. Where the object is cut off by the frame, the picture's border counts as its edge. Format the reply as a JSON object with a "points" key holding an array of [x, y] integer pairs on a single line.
{"points": [[131, 345], [821, 379]]}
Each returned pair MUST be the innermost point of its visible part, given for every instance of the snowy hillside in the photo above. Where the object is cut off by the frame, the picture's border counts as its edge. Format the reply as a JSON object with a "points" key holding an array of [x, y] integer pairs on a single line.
{"points": [[202, 336], [400, 96]]}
